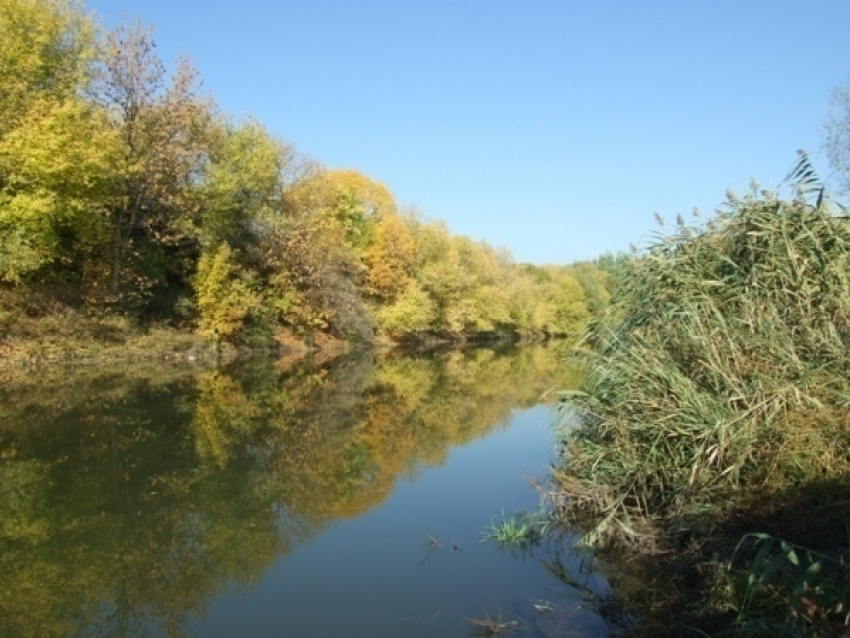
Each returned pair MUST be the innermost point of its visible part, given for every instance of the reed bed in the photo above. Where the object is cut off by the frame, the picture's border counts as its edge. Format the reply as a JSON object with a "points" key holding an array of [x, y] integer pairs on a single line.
{"points": [[719, 377]]}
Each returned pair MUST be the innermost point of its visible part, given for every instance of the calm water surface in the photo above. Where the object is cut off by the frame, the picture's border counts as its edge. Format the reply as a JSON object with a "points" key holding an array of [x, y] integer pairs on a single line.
{"points": [[339, 499]]}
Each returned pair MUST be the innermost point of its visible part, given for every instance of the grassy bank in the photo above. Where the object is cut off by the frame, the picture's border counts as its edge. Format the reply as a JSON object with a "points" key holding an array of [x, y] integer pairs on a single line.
{"points": [[33, 333], [38, 331], [715, 440]]}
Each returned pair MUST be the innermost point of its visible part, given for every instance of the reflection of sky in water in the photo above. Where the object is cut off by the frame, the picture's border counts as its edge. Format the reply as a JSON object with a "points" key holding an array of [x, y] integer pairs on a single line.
{"points": [[264, 501], [375, 575]]}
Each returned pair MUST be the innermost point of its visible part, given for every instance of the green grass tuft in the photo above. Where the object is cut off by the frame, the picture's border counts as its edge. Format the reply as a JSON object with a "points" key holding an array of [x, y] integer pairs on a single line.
{"points": [[518, 532]]}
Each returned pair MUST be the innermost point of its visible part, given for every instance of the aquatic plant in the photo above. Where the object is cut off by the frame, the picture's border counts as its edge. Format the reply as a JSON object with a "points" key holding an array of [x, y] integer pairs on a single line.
{"points": [[487, 626], [519, 531], [723, 363], [719, 381]]}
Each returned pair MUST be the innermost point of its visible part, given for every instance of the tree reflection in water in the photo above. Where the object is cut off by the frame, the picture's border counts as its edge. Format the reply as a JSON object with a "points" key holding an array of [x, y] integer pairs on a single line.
{"points": [[130, 499]]}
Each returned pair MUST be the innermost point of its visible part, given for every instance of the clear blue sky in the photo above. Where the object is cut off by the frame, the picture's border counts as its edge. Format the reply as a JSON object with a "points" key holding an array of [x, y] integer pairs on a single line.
{"points": [[551, 127]]}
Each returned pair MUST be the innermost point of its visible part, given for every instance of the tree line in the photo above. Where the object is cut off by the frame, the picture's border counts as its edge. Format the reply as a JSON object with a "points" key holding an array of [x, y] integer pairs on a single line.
{"points": [[125, 189]]}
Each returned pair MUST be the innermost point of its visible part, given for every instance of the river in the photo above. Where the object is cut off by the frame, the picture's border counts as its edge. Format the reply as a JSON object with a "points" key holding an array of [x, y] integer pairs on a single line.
{"points": [[345, 498]]}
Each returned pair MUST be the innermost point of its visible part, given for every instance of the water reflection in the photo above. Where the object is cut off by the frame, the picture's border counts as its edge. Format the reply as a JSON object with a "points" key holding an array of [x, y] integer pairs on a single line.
{"points": [[131, 499]]}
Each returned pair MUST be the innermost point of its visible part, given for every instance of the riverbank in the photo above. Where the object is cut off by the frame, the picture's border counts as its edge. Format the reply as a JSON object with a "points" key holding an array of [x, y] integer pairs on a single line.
{"points": [[712, 463], [83, 340], [67, 336]]}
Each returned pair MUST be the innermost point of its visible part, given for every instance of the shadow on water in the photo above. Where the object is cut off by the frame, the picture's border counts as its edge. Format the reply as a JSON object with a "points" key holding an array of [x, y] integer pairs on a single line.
{"points": [[757, 554], [133, 501]]}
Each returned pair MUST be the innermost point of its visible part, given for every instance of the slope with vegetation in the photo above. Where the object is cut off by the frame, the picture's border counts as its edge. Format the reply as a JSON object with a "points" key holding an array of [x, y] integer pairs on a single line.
{"points": [[716, 421], [128, 198]]}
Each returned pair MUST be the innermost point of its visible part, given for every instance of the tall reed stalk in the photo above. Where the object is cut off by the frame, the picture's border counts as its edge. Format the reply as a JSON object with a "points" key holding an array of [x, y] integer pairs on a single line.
{"points": [[720, 374]]}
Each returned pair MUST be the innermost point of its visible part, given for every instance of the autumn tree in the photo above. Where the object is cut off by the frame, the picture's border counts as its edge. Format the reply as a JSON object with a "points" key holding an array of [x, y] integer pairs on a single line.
{"points": [[571, 312], [439, 273], [340, 241], [313, 278], [163, 127], [226, 295], [413, 311], [389, 258], [59, 174], [56, 154], [594, 282], [467, 281], [242, 184], [355, 201], [46, 49]]}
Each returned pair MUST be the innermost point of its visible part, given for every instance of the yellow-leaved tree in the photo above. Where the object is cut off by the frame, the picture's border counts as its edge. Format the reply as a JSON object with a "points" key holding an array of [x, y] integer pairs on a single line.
{"points": [[226, 298], [46, 49], [389, 258], [59, 173], [58, 158]]}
